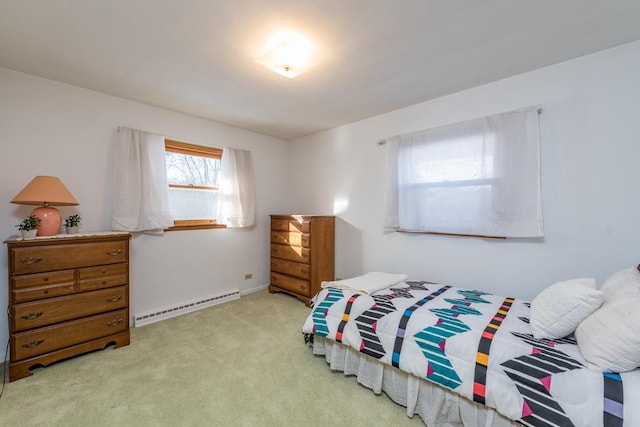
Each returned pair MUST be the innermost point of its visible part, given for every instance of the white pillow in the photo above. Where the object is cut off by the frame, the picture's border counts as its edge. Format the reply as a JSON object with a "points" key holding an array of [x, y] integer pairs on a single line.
{"points": [[559, 309], [609, 339], [621, 283]]}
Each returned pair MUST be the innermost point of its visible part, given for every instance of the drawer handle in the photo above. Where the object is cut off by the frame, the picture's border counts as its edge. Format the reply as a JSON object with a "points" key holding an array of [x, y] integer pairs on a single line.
{"points": [[114, 252], [31, 316], [114, 298], [32, 344], [114, 322], [31, 260]]}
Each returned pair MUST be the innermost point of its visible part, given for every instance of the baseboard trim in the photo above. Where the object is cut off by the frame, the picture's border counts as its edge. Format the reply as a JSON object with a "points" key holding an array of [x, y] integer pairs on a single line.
{"points": [[253, 290], [183, 308]]}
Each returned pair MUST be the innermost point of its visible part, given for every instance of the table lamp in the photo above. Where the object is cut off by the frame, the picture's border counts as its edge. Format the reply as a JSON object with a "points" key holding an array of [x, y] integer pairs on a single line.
{"points": [[47, 191]]}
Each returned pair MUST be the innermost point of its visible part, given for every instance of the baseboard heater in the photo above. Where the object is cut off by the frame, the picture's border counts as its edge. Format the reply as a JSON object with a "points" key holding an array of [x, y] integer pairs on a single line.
{"points": [[166, 313]]}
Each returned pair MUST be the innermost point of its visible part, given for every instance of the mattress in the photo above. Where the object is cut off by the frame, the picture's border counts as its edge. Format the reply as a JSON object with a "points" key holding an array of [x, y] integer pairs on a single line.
{"points": [[469, 349]]}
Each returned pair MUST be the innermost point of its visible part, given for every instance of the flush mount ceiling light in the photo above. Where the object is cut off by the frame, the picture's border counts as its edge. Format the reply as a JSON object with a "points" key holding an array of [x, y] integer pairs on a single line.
{"points": [[288, 53]]}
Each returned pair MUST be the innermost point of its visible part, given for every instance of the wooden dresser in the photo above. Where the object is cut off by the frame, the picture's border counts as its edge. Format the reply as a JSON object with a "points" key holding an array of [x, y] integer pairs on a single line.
{"points": [[68, 295], [302, 254]]}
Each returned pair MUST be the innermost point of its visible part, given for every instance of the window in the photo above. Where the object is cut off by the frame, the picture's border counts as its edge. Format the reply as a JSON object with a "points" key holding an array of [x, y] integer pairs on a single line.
{"points": [[193, 177], [455, 175], [479, 177]]}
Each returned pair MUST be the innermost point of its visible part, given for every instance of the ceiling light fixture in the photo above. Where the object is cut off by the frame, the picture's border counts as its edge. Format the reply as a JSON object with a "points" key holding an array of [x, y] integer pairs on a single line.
{"points": [[288, 53]]}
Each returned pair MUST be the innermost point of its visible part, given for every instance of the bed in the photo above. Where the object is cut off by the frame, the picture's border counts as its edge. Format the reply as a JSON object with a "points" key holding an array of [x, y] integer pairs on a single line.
{"points": [[465, 357]]}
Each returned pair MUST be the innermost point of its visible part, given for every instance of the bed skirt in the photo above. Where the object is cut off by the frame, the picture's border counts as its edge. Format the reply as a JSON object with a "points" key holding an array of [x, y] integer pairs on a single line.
{"points": [[435, 405]]}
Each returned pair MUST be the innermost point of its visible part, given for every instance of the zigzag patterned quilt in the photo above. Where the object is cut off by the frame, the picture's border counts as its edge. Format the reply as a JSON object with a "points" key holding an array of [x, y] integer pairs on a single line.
{"points": [[480, 346]]}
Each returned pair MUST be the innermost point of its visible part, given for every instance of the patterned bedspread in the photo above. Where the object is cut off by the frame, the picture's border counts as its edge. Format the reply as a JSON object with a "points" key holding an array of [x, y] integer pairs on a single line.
{"points": [[480, 346]]}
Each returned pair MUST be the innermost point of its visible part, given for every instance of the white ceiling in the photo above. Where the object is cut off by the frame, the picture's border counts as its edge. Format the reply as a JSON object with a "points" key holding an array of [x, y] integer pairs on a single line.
{"points": [[373, 56]]}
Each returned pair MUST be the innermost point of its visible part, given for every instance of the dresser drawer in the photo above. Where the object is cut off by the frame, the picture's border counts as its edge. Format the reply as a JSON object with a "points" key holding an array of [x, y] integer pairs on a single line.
{"points": [[60, 257], [291, 253], [293, 284], [302, 226], [53, 310], [30, 294], [291, 238], [49, 338], [291, 268], [42, 285], [104, 276], [43, 279]]}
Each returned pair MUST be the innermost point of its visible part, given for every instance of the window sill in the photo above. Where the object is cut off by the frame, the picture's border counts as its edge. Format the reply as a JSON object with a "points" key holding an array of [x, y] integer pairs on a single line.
{"points": [[481, 236], [183, 227]]}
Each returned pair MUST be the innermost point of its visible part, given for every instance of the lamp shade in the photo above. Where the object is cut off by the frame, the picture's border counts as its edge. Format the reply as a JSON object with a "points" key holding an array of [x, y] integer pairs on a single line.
{"points": [[46, 191]]}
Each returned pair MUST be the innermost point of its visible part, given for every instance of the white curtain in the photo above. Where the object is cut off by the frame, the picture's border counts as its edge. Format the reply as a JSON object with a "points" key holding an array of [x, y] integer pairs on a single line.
{"points": [[236, 194], [140, 189], [480, 177]]}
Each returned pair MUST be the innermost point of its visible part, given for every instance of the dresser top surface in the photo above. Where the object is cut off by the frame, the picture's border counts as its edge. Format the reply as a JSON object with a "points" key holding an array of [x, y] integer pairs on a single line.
{"points": [[301, 216], [67, 238]]}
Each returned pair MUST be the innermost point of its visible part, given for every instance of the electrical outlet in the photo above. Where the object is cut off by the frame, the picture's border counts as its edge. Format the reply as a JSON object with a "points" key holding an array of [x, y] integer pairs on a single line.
{"points": [[248, 276]]}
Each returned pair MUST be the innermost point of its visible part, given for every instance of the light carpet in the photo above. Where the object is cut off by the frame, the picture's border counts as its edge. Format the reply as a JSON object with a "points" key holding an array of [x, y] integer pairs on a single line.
{"points": [[241, 363]]}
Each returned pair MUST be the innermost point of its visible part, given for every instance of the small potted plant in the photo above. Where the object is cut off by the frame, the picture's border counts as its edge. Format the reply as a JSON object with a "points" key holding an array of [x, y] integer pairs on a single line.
{"points": [[71, 223], [29, 226]]}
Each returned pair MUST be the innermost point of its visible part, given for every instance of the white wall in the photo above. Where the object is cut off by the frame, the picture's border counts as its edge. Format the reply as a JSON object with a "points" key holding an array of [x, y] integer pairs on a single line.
{"points": [[49, 128], [590, 147], [590, 151]]}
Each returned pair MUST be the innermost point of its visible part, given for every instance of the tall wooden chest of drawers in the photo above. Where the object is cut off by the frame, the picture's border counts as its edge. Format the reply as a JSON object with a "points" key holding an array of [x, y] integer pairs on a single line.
{"points": [[68, 295], [302, 254]]}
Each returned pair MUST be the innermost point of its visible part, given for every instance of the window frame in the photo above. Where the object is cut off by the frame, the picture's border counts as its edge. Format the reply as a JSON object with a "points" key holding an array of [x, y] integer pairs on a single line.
{"points": [[189, 149]]}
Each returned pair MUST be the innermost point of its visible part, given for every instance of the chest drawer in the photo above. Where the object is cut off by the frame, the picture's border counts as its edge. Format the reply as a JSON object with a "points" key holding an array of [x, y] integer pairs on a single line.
{"points": [[104, 276], [291, 238], [43, 279], [53, 310], [68, 295], [302, 254], [42, 285], [49, 338], [291, 268], [291, 253], [30, 294], [60, 257], [301, 226], [291, 283]]}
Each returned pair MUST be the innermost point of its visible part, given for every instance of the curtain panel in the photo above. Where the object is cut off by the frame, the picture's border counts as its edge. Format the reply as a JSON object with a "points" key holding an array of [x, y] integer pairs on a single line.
{"points": [[140, 189], [236, 194], [479, 177]]}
